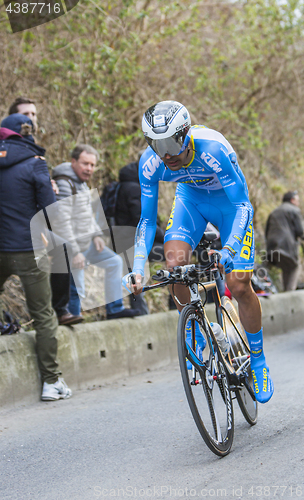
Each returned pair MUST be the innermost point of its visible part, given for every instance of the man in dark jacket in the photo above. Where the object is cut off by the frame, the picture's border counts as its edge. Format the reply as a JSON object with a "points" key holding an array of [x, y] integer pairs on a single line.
{"points": [[128, 208], [284, 227], [127, 213], [60, 281], [25, 188]]}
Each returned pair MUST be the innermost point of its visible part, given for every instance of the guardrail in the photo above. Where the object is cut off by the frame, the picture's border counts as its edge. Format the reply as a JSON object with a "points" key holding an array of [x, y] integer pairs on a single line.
{"points": [[95, 353]]}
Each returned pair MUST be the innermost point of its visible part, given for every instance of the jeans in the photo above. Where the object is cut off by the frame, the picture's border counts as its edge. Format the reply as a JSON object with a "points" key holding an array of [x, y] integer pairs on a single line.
{"points": [[60, 284], [112, 264], [290, 277], [60, 281]]}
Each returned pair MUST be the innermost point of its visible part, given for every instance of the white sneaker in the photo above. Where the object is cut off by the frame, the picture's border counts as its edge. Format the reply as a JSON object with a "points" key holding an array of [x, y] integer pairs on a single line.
{"points": [[58, 390]]}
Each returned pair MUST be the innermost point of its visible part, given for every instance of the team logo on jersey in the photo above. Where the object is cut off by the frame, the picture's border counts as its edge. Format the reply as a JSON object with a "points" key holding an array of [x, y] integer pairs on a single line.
{"points": [[211, 162], [170, 221], [247, 243], [181, 228], [244, 217], [200, 181], [178, 236], [139, 256], [150, 166]]}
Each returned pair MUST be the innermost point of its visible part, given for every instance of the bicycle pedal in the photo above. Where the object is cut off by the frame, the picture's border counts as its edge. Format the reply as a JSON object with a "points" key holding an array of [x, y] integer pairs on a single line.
{"points": [[196, 382]]}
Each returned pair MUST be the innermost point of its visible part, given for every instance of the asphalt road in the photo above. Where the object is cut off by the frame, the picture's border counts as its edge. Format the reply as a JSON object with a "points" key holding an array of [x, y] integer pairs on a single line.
{"points": [[136, 439]]}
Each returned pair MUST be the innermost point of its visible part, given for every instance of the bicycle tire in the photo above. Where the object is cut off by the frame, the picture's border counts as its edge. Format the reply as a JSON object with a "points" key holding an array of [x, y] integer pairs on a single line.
{"points": [[245, 397], [209, 400]]}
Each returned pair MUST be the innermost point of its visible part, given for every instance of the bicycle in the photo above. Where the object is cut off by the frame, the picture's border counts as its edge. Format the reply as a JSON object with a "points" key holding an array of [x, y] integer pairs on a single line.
{"points": [[209, 383]]}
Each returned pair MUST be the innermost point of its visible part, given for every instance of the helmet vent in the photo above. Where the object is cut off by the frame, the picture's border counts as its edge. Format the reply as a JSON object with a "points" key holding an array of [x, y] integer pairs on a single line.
{"points": [[157, 111], [149, 116], [172, 112]]}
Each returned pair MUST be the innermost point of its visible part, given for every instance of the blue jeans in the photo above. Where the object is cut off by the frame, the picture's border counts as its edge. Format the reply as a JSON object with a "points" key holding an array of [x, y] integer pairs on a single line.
{"points": [[112, 264]]}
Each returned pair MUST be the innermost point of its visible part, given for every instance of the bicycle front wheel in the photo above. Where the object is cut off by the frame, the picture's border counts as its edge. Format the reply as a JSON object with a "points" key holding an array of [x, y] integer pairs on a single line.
{"points": [[206, 384], [239, 358]]}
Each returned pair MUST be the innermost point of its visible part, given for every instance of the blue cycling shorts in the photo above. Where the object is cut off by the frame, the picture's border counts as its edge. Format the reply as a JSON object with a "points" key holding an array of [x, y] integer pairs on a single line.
{"points": [[193, 209]]}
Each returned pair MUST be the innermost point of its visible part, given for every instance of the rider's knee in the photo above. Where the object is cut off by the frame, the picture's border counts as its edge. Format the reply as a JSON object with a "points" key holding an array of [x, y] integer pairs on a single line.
{"points": [[240, 288], [176, 258]]}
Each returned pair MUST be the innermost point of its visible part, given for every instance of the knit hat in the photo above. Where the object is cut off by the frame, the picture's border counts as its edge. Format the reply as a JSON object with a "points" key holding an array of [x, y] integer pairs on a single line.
{"points": [[21, 124]]}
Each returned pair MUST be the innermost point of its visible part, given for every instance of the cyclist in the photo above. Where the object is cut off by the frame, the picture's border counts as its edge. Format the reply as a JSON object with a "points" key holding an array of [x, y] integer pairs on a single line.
{"points": [[210, 188]]}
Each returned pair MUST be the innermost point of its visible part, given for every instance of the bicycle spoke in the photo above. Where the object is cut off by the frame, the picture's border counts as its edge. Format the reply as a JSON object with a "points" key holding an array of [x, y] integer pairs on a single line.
{"points": [[206, 372], [240, 361], [213, 415], [206, 387]]}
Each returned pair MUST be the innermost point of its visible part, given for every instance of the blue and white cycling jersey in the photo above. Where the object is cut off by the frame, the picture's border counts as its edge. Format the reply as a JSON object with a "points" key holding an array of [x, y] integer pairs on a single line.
{"points": [[211, 188]]}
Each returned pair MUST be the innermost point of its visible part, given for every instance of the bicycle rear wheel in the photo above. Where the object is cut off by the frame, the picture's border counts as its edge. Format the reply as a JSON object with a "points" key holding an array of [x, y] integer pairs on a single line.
{"points": [[240, 361], [206, 386]]}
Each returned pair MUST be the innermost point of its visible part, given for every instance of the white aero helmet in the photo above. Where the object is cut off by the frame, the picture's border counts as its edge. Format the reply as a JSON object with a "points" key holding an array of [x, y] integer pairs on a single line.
{"points": [[165, 126]]}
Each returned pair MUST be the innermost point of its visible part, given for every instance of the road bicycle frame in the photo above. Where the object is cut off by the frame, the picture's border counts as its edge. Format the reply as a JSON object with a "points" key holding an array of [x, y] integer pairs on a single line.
{"points": [[215, 371]]}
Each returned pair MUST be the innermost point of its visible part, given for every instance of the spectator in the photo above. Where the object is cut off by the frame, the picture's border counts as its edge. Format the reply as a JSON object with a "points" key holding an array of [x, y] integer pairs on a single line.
{"points": [[127, 213], [128, 208], [60, 282], [25, 188], [78, 226], [26, 107], [283, 229]]}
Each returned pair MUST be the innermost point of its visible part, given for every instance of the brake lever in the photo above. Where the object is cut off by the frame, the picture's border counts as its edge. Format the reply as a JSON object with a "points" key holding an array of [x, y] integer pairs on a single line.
{"points": [[217, 262], [133, 283], [216, 259]]}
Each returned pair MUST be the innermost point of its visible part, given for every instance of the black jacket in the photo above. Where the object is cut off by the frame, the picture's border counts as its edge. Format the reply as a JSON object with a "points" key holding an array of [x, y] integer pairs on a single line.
{"points": [[25, 188], [283, 228], [128, 205]]}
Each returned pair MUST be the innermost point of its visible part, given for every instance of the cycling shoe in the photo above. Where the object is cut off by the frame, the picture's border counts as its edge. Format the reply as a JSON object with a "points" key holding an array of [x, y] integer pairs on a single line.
{"points": [[262, 382]]}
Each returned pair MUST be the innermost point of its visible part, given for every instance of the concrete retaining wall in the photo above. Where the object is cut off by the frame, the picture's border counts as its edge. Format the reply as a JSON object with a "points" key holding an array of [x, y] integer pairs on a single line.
{"points": [[96, 353]]}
